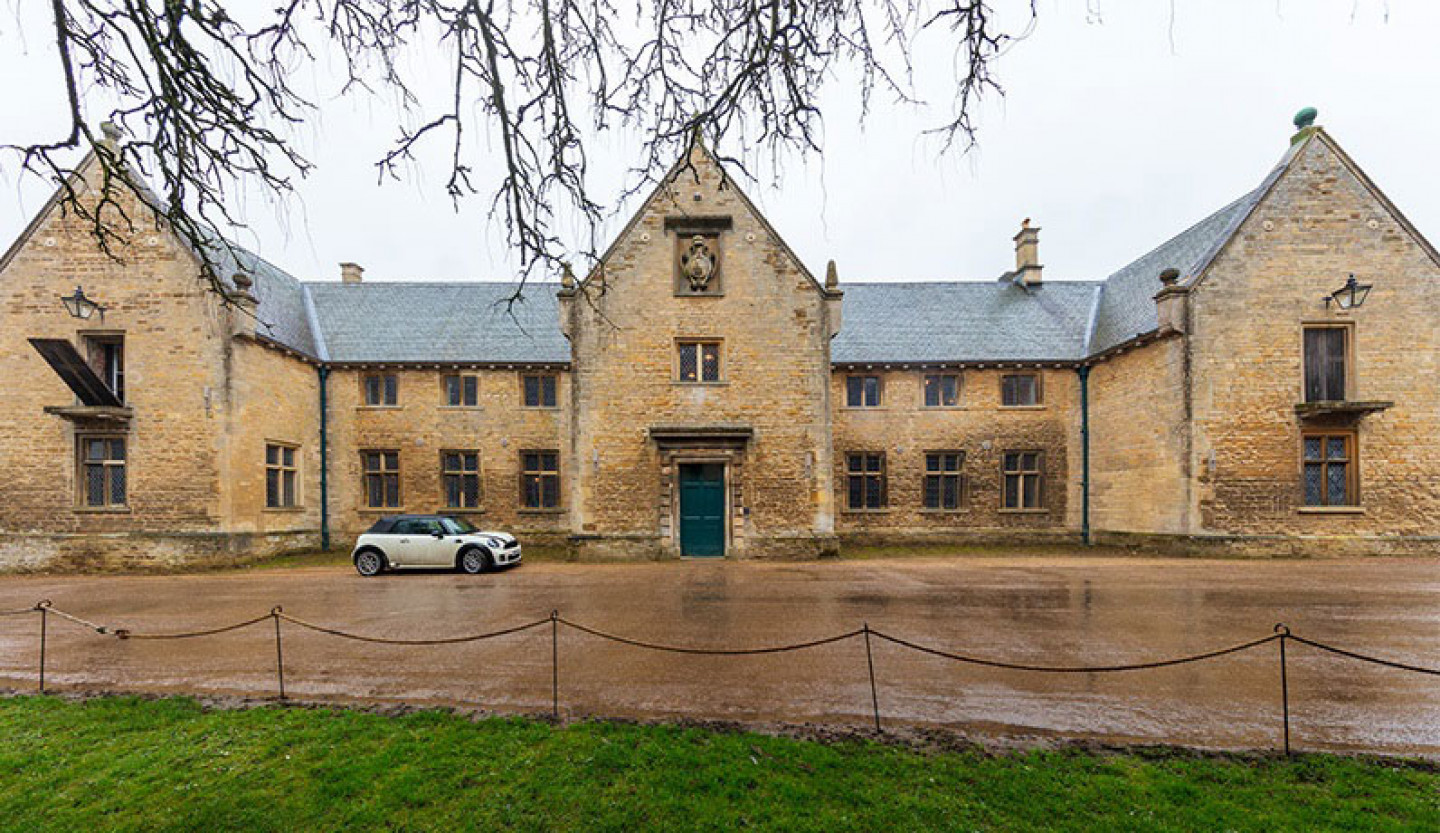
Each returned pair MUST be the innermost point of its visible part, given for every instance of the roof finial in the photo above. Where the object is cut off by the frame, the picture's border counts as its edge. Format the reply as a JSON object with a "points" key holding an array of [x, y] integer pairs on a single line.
{"points": [[567, 277], [832, 275], [111, 131], [1306, 117]]}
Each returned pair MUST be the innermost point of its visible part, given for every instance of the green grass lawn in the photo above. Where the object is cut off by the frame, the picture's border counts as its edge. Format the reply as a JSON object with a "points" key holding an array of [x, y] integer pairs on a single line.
{"points": [[130, 764]]}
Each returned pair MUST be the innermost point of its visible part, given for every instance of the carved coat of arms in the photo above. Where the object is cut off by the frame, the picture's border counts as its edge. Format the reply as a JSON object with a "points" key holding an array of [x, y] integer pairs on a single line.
{"points": [[697, 263]]}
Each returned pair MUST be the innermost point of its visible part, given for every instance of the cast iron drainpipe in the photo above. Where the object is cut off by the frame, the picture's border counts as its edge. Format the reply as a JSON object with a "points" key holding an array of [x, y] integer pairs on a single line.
{"points": [[324, 373], [1084, 371]]}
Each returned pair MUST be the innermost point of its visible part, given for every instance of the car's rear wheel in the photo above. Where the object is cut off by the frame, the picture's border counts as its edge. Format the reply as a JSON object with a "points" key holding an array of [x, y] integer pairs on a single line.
{"points": [[369, 563], [474, 561]]}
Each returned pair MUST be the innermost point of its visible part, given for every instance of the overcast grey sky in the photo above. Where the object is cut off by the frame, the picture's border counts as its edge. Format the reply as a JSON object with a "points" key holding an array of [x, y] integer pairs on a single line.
{"points": [[1120, 127]]}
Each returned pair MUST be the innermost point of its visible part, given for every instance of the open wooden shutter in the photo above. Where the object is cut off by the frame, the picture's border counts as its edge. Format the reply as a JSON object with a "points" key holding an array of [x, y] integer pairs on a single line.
{"points": [[67, 363]]}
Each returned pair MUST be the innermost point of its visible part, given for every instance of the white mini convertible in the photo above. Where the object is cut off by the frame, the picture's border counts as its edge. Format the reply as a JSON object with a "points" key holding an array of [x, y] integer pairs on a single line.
{"points": [[402, 542]]}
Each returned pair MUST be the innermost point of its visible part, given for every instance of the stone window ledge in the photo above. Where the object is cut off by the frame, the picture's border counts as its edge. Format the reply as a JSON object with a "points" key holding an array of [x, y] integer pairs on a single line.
{"points": [[683, 383], [1331, 510], [541, 510], [885, 510], [1039, 511], [285, 509], [382, 510], [102, 510], [442, 407], [1021, 407], [379, 407], [931, 511]]}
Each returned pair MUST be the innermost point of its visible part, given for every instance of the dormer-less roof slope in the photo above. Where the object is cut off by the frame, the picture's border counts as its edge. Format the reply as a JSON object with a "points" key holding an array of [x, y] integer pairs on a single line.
{"points": [[280, 309], [1127, 301], [397, 323], [963, 321]]}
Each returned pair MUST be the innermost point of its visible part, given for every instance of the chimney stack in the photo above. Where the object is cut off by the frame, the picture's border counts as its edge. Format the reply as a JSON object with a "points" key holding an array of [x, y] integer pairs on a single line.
{"points": [[1027, 255], [350, 272]]}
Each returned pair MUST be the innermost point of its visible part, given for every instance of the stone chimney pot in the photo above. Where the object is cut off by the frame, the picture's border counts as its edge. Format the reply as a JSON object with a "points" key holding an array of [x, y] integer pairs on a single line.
{"points": [[351, 272]]}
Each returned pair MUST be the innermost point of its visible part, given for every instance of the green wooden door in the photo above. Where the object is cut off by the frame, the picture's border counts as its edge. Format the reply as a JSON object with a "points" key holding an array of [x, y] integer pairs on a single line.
{"points": [[702, 509]]}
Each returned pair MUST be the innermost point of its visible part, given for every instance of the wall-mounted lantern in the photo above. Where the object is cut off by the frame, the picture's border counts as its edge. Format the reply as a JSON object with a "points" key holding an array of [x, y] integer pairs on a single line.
{"points": [[1349, 296], [80, 306]]}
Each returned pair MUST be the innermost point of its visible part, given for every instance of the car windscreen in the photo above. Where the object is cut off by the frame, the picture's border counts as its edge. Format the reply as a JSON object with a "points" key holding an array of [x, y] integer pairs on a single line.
{"points": [[456, 526]]}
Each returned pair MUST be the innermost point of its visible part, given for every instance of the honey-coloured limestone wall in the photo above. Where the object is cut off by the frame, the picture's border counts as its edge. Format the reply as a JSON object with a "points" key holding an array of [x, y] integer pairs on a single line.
{"points": [[1321, 221], [904, 429], [419, 426], [774, 324]]}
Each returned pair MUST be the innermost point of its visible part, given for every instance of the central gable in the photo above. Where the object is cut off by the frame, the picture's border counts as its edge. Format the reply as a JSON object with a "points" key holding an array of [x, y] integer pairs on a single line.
{"points": [[700, 220]]}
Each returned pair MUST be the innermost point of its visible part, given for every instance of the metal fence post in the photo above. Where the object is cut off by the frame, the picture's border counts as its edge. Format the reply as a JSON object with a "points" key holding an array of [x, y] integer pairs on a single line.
{"points": [[870, 661], [279, 652], [44, 608], [1284, 685], [555, 664]]}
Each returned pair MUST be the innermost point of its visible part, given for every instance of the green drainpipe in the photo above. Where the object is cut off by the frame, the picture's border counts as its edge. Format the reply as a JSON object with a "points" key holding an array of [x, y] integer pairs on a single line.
{"points": [[1084, 371], [324, 467]]}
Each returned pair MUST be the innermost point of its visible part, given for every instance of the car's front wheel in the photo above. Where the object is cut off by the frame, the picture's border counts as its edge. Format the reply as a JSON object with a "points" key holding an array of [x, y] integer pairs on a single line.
{"points": [[474, 561], [369, 563]]}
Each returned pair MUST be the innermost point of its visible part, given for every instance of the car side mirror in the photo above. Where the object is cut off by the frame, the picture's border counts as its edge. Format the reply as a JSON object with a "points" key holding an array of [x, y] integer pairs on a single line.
{"points": [[438, 534]]}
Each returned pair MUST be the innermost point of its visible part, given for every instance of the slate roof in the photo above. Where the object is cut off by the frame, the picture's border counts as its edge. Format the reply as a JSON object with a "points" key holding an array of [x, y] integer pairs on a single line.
{"points": [[963, 321], [280, 312], [438, 322], [916, 322], [1127, 304]]}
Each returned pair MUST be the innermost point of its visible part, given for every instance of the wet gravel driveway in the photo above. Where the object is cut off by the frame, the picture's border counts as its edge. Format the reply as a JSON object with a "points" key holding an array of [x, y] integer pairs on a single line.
{"points": [[1039, 610]]}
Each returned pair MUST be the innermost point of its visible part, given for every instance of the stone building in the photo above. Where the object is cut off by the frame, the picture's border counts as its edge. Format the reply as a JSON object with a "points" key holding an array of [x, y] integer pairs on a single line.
{"points": [[701, 392]]}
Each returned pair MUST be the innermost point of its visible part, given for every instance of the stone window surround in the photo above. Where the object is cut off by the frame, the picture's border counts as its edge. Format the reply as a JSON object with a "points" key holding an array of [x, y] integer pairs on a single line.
{"points": [[879, 392], [474, 384], [733, 460], [558, 473], [962, 498], [1038, 404], [1040, 490], [523, 375], [699, 341], [365, 475], [299, 504], [884, 476], [959, 390], [1352, 458], [380, 374], [80, 506], [478, 473]]}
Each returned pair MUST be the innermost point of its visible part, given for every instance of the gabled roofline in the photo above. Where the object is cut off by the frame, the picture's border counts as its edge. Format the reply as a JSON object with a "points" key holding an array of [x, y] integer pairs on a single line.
{"points": [[1379, 195], [680, 164], [31, 227]]}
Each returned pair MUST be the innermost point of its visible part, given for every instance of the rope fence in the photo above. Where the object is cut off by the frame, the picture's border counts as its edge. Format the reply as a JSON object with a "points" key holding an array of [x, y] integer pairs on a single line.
{"points": [[1281, 635]]}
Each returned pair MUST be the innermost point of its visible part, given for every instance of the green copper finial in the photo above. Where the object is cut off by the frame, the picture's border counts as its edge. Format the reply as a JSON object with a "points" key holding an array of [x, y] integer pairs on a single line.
{"points": [[1306, 117]]}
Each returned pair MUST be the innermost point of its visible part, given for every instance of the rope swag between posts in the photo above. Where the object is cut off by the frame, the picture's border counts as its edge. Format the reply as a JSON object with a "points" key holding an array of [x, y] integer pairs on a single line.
{"points": [[1280, 636]]}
